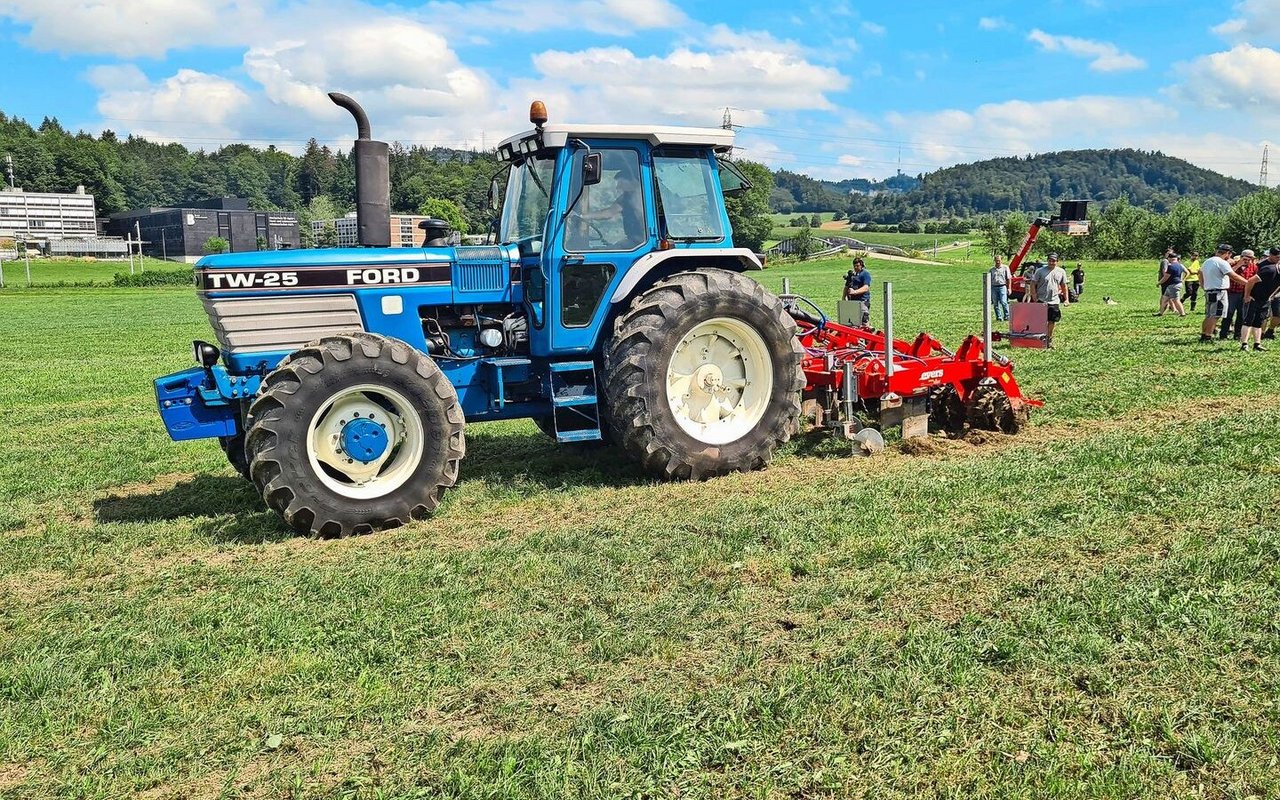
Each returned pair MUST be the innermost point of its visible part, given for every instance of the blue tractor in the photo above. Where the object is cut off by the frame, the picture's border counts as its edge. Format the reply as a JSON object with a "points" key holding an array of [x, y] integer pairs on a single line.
{"points": [[613, 307]]}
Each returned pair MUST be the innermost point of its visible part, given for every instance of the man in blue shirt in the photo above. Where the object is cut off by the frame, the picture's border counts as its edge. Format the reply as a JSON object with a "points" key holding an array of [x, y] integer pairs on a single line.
{"points": [[857, 286], [1174, 274]]}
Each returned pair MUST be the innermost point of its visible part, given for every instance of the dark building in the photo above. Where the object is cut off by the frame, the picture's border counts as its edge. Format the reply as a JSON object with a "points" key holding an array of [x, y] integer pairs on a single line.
{"points": [[179, 234]]}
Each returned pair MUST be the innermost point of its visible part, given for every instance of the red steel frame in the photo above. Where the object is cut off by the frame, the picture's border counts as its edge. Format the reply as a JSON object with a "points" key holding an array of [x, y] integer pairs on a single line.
{"points": [[918, 366]]}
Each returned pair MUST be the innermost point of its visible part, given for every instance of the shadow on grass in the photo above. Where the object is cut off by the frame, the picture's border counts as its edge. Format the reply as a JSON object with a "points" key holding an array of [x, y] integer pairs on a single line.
{"points": [[201, 496], [227, 509], [536, 463]]}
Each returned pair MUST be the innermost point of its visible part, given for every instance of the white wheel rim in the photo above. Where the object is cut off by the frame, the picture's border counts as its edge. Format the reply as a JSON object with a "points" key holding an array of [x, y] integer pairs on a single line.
{"points": [[386, 473], [719, 380]]}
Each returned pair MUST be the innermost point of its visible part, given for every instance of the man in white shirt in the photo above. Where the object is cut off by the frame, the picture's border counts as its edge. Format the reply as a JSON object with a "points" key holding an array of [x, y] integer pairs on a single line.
{"points": [[1216, 275], [1049, 286]]}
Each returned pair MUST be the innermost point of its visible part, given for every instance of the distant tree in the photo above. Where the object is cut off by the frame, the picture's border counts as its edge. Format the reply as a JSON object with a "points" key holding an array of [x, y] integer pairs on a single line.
{"points": [[815, 221], [216, 244], [1253, 221], [836, 217], [262, 243], [1014, 227], [804, 245], [749, 211], [328, 236], [446, 210]]}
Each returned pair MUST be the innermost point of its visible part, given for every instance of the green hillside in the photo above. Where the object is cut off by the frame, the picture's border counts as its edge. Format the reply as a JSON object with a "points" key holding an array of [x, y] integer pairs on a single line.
{"points": [[1035, 183]]}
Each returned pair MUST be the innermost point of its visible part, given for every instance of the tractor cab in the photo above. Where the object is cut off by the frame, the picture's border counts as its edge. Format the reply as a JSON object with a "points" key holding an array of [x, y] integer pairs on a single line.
{"points": [[599, 211]]}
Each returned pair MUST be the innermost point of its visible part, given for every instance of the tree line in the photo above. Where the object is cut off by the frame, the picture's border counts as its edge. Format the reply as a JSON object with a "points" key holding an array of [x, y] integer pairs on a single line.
{"points": [[1123, 230]]}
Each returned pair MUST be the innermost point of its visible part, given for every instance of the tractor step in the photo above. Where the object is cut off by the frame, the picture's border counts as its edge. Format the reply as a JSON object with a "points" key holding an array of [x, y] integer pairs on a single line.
{"points": [[579, 436], [575, 408]]}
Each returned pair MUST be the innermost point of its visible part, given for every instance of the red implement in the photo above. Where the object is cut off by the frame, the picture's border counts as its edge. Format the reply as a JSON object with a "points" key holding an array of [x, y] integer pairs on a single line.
{"points": [[959, 387]]}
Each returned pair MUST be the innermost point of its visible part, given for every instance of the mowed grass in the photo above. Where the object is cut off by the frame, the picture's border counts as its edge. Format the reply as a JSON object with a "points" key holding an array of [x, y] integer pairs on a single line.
{"points": [[1087, 610], [53, 271]]}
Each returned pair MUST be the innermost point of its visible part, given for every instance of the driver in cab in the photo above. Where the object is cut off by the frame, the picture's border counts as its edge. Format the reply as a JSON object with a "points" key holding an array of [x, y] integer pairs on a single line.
{"points": [[618, 225]]}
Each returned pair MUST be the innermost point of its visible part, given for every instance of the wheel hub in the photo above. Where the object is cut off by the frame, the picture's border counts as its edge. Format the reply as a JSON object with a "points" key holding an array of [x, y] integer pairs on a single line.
{"points": [[719, 380], [364, 440]]}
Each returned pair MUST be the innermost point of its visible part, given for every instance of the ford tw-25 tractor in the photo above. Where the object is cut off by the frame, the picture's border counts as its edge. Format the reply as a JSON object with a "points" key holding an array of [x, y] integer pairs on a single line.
{"points": [[612, 307]]}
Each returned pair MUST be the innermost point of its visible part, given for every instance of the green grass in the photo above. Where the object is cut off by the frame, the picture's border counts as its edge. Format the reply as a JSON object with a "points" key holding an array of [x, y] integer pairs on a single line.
{"points": [[53, 271], [1086, 610]]}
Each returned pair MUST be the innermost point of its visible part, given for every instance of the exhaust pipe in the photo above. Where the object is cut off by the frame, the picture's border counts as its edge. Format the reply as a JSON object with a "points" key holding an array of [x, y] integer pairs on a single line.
{"points": [[373, 179]]}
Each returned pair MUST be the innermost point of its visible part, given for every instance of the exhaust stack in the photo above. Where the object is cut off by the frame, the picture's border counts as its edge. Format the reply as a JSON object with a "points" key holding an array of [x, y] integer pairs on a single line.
{"points": [[373, 179]]}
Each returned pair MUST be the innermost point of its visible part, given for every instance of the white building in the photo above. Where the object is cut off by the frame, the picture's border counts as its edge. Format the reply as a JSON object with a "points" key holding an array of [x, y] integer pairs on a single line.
{"points": [[47, 216], [404, 230]]}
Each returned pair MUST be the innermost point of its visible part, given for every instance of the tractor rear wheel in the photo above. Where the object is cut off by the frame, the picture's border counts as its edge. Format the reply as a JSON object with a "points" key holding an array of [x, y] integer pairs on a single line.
{"points": [[355, 434], [702, 376]]}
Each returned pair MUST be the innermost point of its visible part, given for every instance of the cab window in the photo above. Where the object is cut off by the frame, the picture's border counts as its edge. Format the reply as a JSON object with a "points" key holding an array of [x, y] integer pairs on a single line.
{"points": [[609, 216], [687, 196]]}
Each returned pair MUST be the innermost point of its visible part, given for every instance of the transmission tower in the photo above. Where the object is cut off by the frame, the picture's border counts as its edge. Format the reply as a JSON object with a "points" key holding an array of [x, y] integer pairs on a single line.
{"points": [[726, 121], [1262, 173]]}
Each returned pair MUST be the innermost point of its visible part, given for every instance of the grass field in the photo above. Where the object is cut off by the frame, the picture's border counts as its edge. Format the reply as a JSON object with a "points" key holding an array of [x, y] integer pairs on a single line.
{"points": [[51, 271], [1089, 609]]}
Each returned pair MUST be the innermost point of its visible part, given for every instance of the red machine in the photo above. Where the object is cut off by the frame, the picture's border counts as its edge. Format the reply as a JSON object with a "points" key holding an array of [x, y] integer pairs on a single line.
{"points": [[849, 369], [1072, 219]]}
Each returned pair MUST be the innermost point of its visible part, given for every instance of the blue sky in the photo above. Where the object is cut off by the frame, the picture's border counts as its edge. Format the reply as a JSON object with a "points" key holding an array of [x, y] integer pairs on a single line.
{"points": [[835, 89]]}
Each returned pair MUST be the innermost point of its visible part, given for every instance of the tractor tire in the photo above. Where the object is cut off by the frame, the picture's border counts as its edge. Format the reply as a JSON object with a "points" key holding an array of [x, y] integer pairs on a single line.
{"points": [[233, 447], [947, 412], [305, 425], [989, 409], [702, 376]]}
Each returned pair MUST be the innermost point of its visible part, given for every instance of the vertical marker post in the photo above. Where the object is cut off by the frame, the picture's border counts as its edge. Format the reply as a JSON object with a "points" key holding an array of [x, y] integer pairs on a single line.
{"points": [[986, 317], [888, 330]]}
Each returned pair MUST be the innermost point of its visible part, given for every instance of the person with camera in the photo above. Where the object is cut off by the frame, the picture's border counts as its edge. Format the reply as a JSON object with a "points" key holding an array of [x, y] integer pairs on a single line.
{"points": [[857, 286]]}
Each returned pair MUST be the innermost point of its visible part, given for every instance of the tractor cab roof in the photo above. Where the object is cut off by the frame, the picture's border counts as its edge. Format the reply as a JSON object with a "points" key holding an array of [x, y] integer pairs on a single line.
{"points": [[719, 139]]}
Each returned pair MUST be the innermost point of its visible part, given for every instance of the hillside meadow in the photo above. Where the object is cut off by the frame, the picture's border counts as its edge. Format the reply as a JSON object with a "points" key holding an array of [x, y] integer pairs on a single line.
{"points": [[1088, 609]]}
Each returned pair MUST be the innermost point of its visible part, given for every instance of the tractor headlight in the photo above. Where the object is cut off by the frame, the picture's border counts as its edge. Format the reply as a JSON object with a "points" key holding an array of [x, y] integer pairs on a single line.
{"points": [[206, 355]]}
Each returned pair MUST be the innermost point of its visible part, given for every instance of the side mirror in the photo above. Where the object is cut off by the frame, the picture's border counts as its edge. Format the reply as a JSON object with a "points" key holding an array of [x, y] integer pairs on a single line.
{"points": [[592, 169], [493, 193]]}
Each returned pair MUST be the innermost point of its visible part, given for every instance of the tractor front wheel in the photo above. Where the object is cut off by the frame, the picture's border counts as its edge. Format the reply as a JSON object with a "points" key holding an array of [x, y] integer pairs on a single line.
{"points": [[702, 376], [355, 434]]}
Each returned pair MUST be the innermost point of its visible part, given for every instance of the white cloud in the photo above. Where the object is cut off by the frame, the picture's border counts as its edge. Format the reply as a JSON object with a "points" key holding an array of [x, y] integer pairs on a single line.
{"points": [[1254, 21], [134, 29], [1019, 127], [615, 17], [1243, 78], [872, 29], [993, 23], [195, 102], [1106, 57], [686, 85]]}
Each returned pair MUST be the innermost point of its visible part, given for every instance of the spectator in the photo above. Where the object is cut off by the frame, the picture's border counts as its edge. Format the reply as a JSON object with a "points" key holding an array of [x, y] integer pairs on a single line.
{"points": [[1246, 267], [1049, 286], [1192, 281], [1216, 275], [1077, 280], [1000, 279], [1261, 289], [1174, 272], [857, 286], [1161, 278]]}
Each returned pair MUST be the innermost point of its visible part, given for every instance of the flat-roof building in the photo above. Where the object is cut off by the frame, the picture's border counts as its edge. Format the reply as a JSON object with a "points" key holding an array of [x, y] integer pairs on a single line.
{"points": [[180, 234], [404, 230], [47, 216]]}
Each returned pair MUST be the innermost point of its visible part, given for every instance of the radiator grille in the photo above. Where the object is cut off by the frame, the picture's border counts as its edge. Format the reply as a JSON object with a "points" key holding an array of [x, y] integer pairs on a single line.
{"points": [[281, 323], [482, 269]]}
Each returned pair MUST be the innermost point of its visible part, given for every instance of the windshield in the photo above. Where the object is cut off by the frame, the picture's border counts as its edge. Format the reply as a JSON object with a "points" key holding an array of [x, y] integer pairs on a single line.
{"points": [[690, 209], [524, 212]]}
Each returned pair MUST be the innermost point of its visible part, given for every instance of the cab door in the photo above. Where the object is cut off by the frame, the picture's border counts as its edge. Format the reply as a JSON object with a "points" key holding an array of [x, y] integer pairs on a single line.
{"points": [[609, 226]]}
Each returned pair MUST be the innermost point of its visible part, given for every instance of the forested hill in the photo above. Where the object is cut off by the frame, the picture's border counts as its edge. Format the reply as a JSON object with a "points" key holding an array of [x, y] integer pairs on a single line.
{"points": [[1035, 183]]}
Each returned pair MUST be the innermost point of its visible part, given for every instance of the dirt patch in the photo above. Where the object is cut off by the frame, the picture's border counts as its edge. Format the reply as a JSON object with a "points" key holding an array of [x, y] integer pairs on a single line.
{"points": [[929, 446], [12, 776]]}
